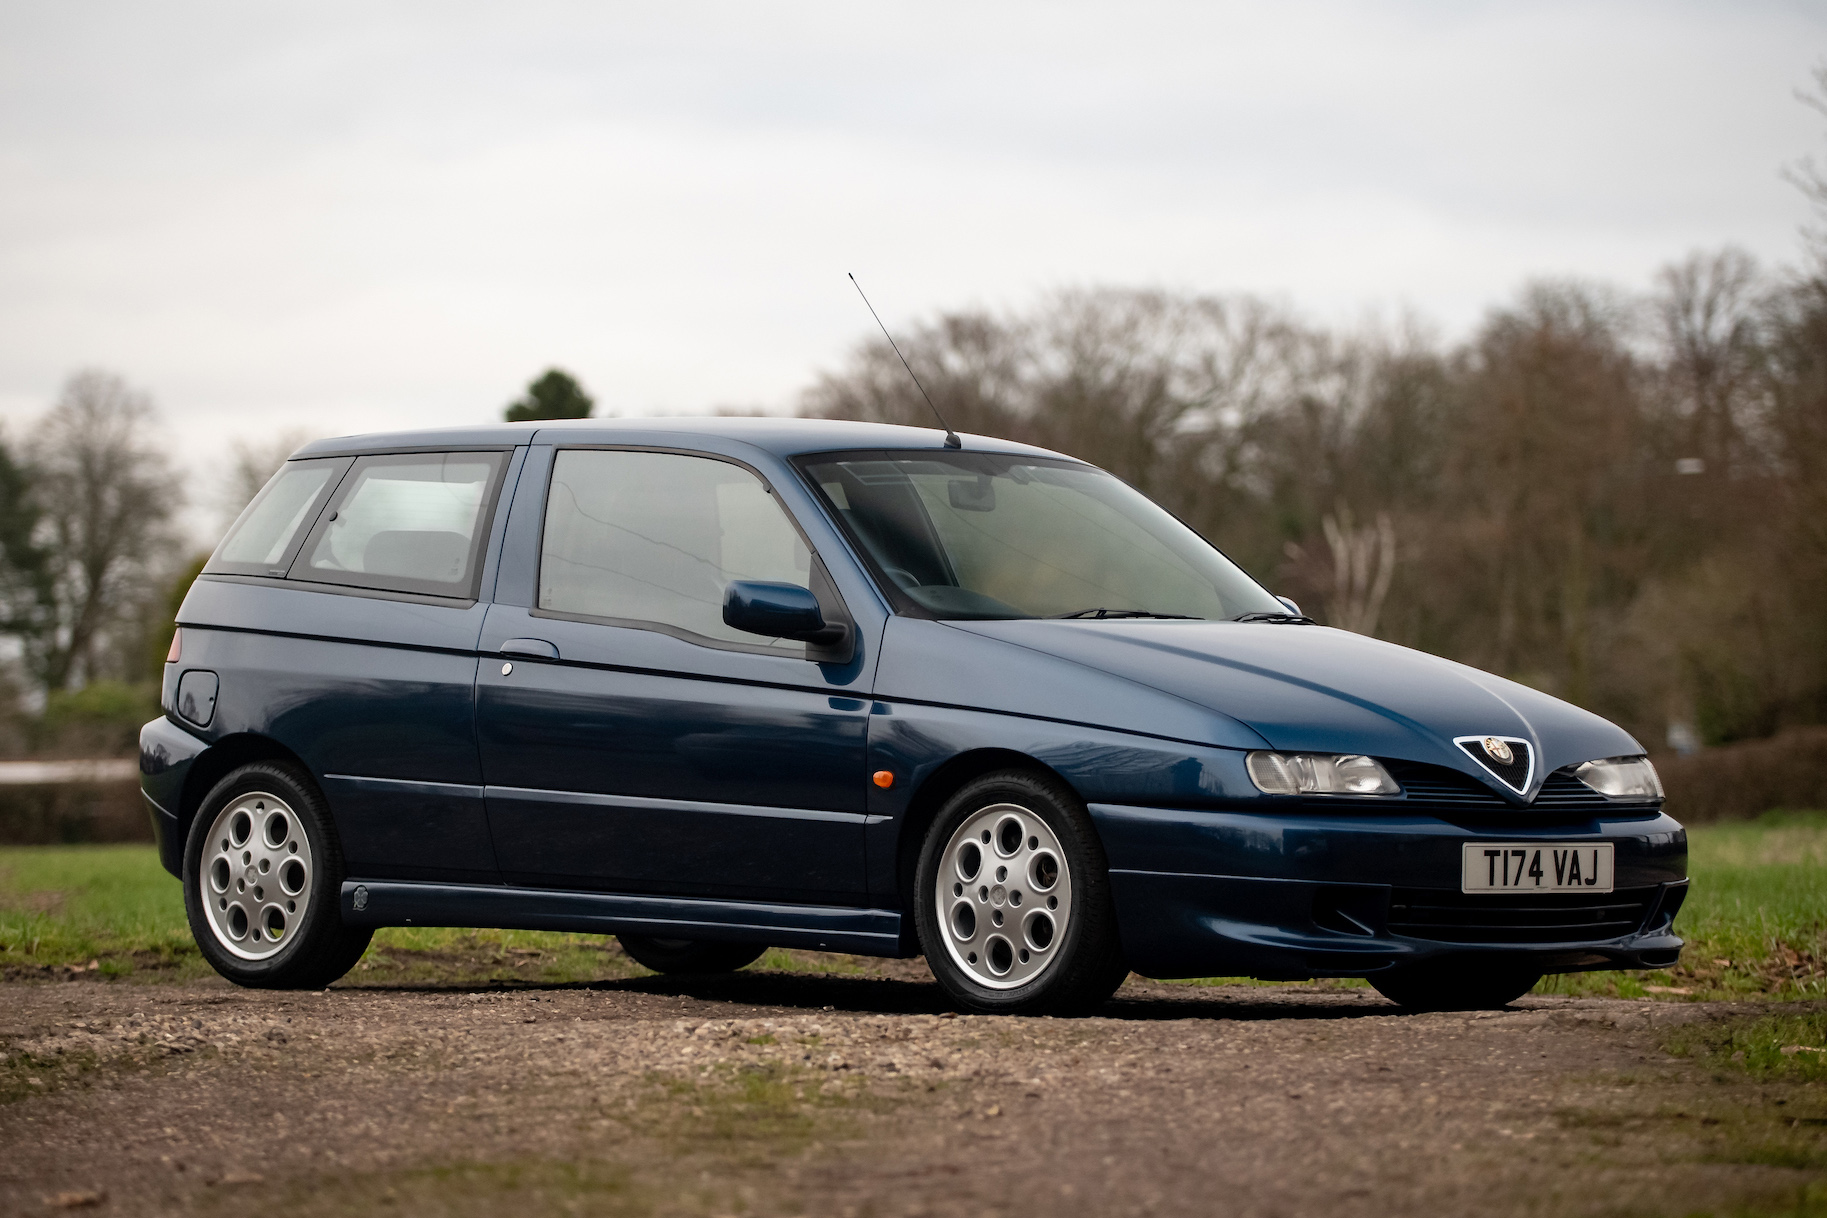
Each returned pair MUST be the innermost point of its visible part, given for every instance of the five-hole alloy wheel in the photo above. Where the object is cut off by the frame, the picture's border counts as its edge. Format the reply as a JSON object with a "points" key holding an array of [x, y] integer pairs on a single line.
{"points": [[262, 869], [1012, 899]]}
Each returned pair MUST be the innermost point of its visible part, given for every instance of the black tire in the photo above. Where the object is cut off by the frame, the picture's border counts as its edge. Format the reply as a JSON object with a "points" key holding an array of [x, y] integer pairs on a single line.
{"points": [[1456, 987], [313, 949], [1084, 963], [689, 955]]}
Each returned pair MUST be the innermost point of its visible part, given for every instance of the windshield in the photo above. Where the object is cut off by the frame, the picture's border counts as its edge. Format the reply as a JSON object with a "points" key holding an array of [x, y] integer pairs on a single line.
{"points": [[981, 535]]}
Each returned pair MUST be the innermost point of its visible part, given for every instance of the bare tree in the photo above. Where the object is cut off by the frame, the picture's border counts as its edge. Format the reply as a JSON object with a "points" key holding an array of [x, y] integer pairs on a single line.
{"points": [[1536, 474], [1708, 307], [1807, 174], [1363, 564], [1162, 390], [107, 495], [254, 464]]}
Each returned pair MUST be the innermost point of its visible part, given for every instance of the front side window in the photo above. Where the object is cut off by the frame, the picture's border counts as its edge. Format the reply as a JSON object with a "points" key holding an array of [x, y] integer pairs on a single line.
{"points": [[654, 539], [259, 540], [982, 535], [408, 523]]}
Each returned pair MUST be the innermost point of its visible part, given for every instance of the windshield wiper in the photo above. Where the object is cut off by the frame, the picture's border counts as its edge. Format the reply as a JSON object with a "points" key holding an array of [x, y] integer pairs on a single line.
{"points": [[1280, 619], [1100, 614]]}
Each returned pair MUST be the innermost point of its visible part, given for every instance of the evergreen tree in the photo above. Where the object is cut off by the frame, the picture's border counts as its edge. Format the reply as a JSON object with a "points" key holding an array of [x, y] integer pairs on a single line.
{"points": [[555, 395]]}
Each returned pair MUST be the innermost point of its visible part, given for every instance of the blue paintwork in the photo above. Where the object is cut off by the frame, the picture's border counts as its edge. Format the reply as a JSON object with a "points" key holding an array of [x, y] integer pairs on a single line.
{"points": [[772, 609], [621, 778], [1311, 688], [1179, 925], [166, 754], [376, 688], [873, 932], [197, 696]]}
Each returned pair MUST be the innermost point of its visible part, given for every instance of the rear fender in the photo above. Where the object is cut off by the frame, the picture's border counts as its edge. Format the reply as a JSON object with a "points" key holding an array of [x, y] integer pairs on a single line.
{"points": [[167, 754], [177, 771]]}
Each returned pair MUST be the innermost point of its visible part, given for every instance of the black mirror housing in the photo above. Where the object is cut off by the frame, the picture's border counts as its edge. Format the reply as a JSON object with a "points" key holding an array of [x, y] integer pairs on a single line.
{"points": [[779, 611]]}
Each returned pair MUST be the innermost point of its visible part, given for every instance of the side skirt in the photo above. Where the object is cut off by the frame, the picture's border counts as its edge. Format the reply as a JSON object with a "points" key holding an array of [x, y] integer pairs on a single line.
{"points": [[865, 932]]}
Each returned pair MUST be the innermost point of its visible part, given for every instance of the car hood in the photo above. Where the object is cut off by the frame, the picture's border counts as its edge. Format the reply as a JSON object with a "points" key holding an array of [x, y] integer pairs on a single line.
{"points": [[1312, 688]]}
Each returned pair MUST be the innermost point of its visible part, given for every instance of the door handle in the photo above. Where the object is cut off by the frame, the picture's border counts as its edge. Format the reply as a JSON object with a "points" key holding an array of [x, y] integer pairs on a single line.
{"points": [[539, 649]]}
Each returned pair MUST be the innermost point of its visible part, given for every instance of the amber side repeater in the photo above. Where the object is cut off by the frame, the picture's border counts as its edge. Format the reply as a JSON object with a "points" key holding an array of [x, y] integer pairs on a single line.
{"points": [[884, 779]]}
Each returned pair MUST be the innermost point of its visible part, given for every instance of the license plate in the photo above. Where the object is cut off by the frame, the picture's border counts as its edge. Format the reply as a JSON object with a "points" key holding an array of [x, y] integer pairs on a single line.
{"points": [[1536, 867]]}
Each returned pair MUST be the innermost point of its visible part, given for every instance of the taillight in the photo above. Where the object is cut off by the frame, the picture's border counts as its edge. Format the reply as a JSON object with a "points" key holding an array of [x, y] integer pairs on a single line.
{"points": [[177, 647]]}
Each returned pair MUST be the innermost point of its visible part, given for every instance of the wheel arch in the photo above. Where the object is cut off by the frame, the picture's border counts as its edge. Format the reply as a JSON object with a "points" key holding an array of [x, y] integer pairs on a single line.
{"points": [[932, 794], [222, 758]]}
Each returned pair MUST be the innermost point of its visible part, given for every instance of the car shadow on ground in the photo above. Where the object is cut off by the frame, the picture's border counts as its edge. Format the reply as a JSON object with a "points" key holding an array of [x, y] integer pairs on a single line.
{"points": [[1139, 1000]]}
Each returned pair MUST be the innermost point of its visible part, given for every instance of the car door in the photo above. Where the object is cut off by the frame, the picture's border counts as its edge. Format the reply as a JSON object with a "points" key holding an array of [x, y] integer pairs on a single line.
{"points": [[361, 659], [630, 741]]}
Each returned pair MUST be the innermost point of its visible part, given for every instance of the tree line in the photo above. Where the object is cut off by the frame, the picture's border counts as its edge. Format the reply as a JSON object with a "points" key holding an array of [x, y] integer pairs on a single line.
{"points": [[94, 562], [1619, 499]]}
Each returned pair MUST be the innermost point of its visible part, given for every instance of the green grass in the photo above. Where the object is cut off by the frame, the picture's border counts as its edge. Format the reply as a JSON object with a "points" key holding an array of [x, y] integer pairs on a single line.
{"points": [[709, 1144], [1755, 921], [63, 908], [522, 1187], [1790, 1046]]}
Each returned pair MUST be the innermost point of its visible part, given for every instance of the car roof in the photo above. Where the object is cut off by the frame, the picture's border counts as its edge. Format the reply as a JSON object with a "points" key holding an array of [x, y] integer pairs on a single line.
{"points": [[784, 437]]}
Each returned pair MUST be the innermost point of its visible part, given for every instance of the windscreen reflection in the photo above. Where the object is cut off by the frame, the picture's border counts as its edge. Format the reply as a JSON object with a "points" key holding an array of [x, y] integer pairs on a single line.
{"points": [[980, 535]]}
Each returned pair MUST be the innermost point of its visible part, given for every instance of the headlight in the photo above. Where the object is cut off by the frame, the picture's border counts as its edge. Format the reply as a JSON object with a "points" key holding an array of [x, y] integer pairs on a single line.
{"points": [[1319, 774], [1621, 777]]}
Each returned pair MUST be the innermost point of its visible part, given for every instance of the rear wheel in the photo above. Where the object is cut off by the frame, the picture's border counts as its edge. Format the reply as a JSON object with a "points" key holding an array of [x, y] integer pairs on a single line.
{"points": [[689, 955], [262, 874], [1456, 987], [1012, 900]]}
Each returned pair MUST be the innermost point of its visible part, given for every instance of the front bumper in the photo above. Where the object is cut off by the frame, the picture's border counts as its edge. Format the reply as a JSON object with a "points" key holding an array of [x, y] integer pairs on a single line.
{"points": [[1204, 894]]}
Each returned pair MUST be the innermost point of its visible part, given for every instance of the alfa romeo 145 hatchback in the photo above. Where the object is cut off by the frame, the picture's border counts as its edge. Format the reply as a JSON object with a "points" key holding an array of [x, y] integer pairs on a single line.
{"points": [[710, 685]]}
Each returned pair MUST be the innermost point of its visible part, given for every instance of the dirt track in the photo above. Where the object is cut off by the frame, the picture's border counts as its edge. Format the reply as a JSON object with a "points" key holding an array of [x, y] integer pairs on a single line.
{"points": [[774, 1093]]}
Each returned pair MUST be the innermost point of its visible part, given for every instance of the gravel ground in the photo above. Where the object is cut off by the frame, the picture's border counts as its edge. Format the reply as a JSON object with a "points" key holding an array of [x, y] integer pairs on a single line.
{"points": [[776, 1093]]}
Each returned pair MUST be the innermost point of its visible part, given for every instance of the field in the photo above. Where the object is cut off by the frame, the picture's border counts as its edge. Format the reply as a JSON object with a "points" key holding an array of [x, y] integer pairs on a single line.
{"points": [[1755, 922], [460, 1073]]}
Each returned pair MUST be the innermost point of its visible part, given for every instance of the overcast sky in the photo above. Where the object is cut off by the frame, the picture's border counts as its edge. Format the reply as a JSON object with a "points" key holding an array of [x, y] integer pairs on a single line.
{"points": [[343, 217]]}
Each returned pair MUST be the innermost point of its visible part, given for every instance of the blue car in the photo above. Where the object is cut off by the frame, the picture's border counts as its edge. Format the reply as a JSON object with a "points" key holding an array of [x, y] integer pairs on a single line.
{"points": [[715, 684]]}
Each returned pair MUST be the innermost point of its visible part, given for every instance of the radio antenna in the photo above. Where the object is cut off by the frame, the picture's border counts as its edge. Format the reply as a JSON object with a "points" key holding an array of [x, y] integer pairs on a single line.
{"points": [[951, 437]]}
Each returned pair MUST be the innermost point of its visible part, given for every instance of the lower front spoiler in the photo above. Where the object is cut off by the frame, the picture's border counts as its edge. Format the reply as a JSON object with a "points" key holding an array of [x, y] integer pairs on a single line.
{"points": [[1288, 930]]}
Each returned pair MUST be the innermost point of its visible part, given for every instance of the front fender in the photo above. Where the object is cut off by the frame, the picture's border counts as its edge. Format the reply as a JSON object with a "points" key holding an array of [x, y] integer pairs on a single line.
{"points": [[914, 742]]}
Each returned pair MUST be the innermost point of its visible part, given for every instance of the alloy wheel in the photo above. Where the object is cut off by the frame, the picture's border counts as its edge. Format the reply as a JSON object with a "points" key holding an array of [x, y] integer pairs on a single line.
{"points": [[256, 875], [1004, 896]]}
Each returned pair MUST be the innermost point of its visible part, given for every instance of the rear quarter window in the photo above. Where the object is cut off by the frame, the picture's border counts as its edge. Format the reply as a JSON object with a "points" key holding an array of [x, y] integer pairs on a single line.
{"points": [[406, 523], [264, 538]]}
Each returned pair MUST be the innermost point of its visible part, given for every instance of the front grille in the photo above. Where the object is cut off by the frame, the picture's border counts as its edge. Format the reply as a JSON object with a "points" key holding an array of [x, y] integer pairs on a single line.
{"points": [[1444, 916], [1438, 787], [1563, 790]]}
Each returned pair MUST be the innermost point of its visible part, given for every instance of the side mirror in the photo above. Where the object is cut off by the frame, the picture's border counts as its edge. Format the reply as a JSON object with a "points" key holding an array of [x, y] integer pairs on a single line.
{"points": [[779, 611], [1292, 607]]}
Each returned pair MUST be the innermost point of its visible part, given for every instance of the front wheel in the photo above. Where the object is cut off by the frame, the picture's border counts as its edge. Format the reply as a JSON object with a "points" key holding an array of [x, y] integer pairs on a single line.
{"points": [[1012, 900], [262, 874], [1456, 987], [689, 955]]}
